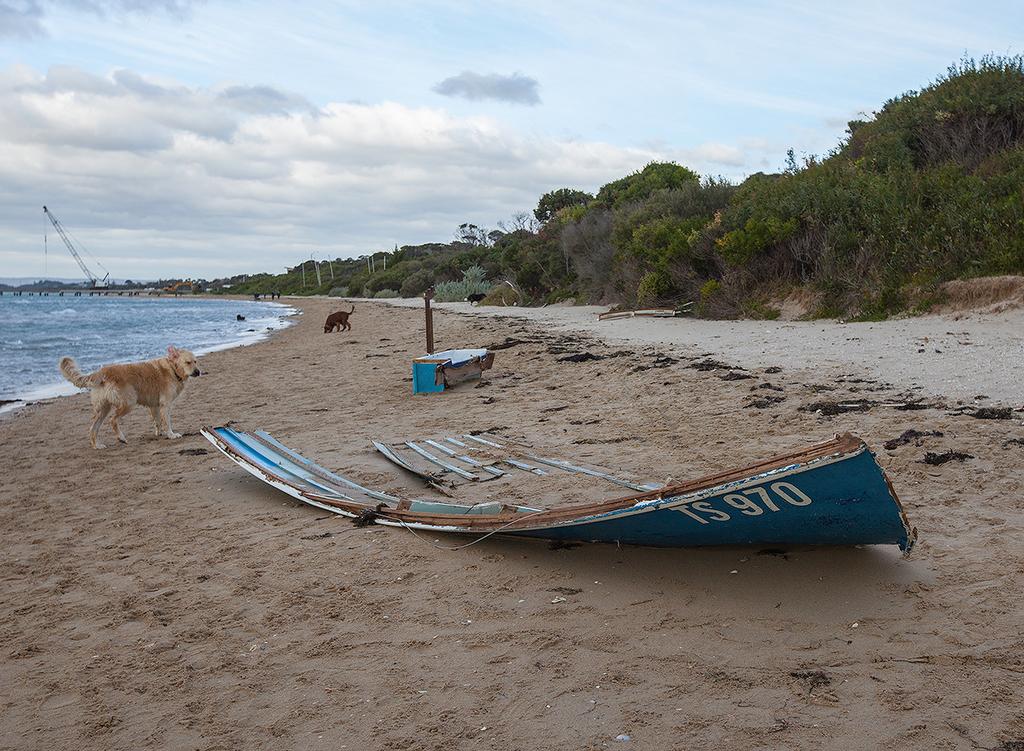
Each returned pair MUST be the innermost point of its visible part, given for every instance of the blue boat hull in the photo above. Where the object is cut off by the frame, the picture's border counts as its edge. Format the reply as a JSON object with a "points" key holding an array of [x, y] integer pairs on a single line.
{"points": [[843, 502]]}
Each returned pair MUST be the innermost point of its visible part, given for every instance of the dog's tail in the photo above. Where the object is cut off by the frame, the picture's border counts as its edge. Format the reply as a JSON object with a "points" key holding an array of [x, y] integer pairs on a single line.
{"points": [[353, 309], [69, 369]]}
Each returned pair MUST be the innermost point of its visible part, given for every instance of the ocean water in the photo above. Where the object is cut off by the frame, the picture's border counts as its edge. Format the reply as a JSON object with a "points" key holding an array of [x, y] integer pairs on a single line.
{"points": [[35, 332]]}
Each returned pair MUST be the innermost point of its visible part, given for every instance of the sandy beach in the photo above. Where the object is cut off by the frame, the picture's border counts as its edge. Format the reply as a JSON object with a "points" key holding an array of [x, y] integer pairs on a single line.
{"points": [[156, 596]]}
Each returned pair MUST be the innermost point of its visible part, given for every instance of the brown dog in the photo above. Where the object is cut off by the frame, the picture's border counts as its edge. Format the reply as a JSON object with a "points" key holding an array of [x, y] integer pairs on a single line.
{"points": [[153, 383], [338, 321]]}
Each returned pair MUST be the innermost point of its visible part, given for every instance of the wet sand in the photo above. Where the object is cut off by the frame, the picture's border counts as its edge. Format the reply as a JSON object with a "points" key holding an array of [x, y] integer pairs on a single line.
{"points": [[155, 596]]}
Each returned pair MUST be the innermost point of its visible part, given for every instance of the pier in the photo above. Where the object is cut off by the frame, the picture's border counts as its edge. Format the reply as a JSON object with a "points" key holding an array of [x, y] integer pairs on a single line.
{"points": [[81, 292]]}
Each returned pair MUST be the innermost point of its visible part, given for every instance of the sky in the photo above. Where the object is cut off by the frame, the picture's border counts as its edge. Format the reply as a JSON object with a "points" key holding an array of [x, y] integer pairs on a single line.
{"points": [[177, 138]]}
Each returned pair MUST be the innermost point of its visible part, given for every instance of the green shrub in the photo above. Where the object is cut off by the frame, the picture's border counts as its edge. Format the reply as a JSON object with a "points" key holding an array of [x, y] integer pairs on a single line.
{"points": [[416, 283], [759, 310], [654, 287], [502, 294], [709, 288], [473, 282], [383, 294], [756, 236], [356, 284]]}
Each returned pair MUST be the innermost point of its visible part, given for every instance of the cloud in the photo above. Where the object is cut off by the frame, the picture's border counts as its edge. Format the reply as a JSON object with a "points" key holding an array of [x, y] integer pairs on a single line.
{"points": [[262, 99], [23, 19], [174, 8], [514, 89], [161, 179]]}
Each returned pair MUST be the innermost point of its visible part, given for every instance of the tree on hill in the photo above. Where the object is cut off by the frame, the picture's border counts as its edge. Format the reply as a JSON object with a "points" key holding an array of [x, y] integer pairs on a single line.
{"points": [[554, 201], [640, 185]]}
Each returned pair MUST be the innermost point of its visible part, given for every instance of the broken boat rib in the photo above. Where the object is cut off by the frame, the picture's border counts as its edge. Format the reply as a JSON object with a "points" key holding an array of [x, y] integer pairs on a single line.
{"points": [[831, 493], [410, 456]]}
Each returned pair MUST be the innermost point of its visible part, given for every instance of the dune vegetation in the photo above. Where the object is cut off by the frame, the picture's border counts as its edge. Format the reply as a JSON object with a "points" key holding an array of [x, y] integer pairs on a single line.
{"points": [[928, 190]]}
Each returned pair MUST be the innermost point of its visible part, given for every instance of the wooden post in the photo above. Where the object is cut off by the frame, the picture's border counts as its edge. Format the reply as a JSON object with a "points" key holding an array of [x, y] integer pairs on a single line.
{"points": [[429, 314]]}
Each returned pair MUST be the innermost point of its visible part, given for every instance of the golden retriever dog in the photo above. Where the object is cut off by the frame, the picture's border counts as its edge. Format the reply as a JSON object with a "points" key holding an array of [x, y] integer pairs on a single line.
{"points": [[153, 383]]}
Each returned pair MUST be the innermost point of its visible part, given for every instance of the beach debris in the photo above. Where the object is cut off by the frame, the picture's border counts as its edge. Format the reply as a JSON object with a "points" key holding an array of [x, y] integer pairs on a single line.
{"points": [[914, 404], [612, 315], [1010, 745], [763, 402], [773, 369], [830, 408], [557, 600], [602, 441], [911, 435], [767, 386], [1013, 442], [992, 413], [565, 590], [936, 459], [709, 364], [623, 738], [736, 375], [660, 361], [812, 679], [322, 536], [833, 493], [193, 452], [582, 357], [511, 342]]}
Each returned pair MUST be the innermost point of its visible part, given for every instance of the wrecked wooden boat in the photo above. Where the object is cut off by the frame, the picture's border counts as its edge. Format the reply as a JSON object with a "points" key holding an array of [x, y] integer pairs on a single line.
{"points": [[831, 493], [441, 370], [613, 315]]}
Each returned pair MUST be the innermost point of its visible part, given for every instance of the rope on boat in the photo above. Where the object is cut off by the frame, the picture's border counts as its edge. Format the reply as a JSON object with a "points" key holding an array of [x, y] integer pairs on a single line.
{"points": [[468, 544], [368, 516]]}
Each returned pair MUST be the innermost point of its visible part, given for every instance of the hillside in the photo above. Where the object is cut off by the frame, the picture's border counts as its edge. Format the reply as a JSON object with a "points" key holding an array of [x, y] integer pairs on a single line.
{"points": [[926, 191]]}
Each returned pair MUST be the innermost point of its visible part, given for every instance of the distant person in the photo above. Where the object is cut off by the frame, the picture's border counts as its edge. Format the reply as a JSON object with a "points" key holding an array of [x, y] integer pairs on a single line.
{"points": [[256, 296], [239, 317]]}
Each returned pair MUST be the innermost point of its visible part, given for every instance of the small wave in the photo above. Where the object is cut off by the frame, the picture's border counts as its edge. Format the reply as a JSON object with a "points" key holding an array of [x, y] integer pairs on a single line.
{"points": [[118, 331]]}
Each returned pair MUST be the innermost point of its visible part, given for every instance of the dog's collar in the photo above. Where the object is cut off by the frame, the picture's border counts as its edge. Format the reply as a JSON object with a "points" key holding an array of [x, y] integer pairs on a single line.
{"points": [[175, 371]]}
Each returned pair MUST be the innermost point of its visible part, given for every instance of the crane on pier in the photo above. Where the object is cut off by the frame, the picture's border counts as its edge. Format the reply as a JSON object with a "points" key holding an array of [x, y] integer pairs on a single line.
{"points": [[94, 281]]}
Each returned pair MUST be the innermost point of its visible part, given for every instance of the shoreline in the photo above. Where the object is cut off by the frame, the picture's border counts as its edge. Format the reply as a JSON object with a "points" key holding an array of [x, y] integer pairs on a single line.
{"points": [[61, 388]]}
